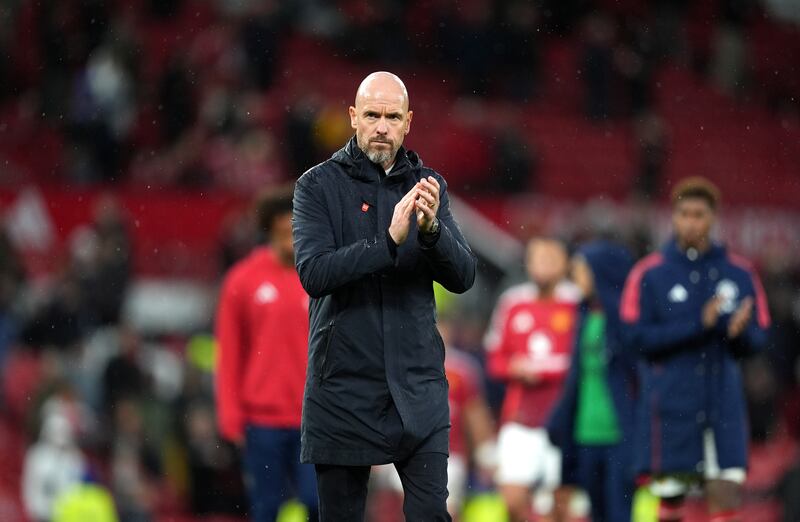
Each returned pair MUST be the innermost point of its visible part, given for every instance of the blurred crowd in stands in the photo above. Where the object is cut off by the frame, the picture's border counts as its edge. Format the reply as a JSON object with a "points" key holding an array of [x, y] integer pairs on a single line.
{"points": [[209, 93], [97, 403]]}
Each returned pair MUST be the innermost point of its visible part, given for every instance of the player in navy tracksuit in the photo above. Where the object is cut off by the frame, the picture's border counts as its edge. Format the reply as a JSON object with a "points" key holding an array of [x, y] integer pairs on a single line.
{"points": [[692, 310]]}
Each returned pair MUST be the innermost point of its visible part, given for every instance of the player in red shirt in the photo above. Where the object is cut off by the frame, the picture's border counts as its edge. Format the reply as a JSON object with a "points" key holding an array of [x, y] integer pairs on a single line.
{"points": [[262, 332], [529, 344]]}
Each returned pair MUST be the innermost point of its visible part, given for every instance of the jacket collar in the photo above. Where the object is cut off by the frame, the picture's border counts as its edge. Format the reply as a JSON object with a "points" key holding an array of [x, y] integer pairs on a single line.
{"points": [[673, 251], [360, 167]]}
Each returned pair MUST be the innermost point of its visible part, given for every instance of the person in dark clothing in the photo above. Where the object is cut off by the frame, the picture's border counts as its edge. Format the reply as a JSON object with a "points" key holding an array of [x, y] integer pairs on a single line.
{"points": [[653, 151], [61, 322], [597, 66], [261, 40], [593, 422], [372, 232], [786, 490], [176, 95], [12, 279], [691, 312], [106, 285], [515, 163], [123, 378], [302, 149]]}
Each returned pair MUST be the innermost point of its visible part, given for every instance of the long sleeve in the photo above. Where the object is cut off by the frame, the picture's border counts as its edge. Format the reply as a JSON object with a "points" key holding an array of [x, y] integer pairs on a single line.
{"points": [[322, 266], [498, 363], [751, 341], [231, 338], [644, 333], [754, 337], [451, 259], [498, 354]]}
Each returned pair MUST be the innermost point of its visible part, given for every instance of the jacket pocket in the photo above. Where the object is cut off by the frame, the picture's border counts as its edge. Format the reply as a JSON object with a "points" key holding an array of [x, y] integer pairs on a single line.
{"points": [[325, 362], [439, 343]]}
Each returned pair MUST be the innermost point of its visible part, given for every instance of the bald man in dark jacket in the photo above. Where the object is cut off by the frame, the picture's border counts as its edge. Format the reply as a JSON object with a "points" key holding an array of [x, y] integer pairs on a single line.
{"points": [[373, 230]]}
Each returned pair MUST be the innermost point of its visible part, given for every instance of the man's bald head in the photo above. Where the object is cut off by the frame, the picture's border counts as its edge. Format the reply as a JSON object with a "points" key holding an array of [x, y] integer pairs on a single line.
{"points": [[382, 85], [381, 117]]}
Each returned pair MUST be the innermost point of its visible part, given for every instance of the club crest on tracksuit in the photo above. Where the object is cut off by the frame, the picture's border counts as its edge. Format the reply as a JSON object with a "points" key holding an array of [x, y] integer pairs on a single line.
{"points": [[678, 294], [728, 293]]}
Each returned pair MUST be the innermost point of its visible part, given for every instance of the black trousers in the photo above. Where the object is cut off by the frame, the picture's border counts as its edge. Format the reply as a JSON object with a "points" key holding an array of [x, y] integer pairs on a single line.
{"points": [[343, 490]]}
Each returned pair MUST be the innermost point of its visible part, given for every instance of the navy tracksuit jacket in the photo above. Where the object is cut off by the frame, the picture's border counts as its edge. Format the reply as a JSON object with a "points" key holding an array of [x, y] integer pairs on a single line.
{"points": [[689, 376]]}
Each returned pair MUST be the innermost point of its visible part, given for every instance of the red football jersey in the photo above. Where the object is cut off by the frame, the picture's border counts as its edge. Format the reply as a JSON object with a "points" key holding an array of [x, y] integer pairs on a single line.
{"points": [[262, 331], [465, 386], [542, 331]]}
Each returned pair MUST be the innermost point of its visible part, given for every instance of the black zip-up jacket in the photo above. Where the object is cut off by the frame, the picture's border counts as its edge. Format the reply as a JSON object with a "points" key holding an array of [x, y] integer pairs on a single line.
{"points": [[375, 389]]}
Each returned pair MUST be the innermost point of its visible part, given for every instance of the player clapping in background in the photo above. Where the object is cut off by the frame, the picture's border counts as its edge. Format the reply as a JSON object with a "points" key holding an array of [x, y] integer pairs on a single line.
{"points": [[691, 310]]}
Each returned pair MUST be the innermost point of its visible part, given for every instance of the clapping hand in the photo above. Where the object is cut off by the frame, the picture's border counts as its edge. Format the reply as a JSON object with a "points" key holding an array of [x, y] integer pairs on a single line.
{"points": [[427, 203], [740, 318], [401, 219], [711, 312]]}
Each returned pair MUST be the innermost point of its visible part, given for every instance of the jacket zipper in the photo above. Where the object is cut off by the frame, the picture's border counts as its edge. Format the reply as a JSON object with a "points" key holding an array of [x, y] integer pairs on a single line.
{"points": [[328, 339]]}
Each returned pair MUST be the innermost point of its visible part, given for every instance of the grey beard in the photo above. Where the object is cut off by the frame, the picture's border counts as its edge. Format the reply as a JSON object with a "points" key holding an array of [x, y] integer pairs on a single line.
{"points": [[379, 156]]}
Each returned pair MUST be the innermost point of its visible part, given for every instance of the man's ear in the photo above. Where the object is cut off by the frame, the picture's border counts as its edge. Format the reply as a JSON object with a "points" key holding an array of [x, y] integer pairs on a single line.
{"points": [[353, 117], [408, 121]]}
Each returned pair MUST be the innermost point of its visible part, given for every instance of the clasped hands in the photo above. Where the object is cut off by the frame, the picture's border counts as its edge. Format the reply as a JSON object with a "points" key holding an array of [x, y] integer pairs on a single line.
{"points": [[739, 319], [422, 198]]}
